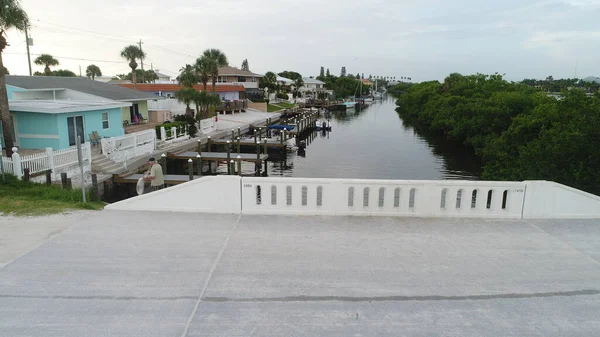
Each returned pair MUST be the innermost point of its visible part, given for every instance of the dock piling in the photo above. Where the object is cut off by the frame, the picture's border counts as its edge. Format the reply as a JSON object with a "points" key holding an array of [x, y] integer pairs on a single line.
{"points": [[191, 168], [63, 179], [199, 147], [239, 165], [238, 145], [48, 177], [239, 132], [164, 163], [228, 156], [257, 157], [95, 190], [209, 143], [199, 159], [265, 173], [265, 149], [232, 167]]}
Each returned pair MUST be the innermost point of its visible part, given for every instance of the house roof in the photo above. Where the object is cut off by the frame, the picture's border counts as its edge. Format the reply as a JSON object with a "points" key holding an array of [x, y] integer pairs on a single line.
{"points": [[232, 71], [118, 81], [161, 75], [174, 87], [61, 106], [308, 80], [284, 79], [80, 84]]}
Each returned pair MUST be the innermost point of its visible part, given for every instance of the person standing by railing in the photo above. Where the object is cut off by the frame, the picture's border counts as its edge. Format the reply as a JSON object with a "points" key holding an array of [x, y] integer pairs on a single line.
{"points": [[154, 175]]}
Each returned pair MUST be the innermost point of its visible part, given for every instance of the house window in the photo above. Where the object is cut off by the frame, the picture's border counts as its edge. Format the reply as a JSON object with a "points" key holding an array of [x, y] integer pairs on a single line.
{"points": [[221, 79], [105, 122], [241, 79]]}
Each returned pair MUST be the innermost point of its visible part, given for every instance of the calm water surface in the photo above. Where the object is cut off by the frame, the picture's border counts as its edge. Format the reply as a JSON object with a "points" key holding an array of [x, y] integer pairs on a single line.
{"points": [[376, 144]]}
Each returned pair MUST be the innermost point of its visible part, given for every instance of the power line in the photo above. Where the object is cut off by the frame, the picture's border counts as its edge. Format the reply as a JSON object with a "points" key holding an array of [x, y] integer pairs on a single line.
{"points": [[50, 29], [71, 58], [83, 30], [168, 50], [66, 32]]}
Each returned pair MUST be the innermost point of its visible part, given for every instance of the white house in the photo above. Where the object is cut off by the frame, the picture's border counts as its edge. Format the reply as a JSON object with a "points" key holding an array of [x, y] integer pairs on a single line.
{"points": [[311, 84], [284, 81], [162, 77], [233, 76]]}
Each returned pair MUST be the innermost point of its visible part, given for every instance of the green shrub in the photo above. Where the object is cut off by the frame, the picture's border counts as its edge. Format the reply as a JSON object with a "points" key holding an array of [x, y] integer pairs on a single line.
{"points": [[283, 95], [181, 126], [191, 121]]}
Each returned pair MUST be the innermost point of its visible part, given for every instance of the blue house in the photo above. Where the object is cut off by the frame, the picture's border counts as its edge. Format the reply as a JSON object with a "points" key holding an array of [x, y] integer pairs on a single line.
{"points": [[48, 111], [38, 124]]}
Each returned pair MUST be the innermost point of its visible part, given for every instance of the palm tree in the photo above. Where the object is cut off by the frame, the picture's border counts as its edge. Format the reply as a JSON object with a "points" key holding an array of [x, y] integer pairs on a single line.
{"points": [[132, 53], [298, 83], [187, 76], [187, 96], [12, 15], [47, 61], [204, 100], [92, 71], [202, 68], [216, 59], [150, 76]]}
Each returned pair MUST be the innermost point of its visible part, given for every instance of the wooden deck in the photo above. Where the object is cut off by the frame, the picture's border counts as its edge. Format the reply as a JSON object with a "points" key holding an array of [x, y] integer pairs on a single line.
{"points": [[219, 156], [170, 179], [250, 142]]}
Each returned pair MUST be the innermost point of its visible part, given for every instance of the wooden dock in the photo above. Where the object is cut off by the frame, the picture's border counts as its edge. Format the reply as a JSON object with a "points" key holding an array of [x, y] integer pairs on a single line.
{"points": [[250, 142], [219, 156], [170, 179]]}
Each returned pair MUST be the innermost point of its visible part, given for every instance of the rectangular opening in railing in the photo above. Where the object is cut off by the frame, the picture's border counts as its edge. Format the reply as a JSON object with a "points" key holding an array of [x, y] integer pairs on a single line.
{"points": [[381, 197]]}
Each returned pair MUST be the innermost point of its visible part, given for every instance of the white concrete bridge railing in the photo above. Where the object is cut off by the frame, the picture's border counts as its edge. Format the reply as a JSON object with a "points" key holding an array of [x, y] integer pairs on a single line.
{"points": [[418, 198]]}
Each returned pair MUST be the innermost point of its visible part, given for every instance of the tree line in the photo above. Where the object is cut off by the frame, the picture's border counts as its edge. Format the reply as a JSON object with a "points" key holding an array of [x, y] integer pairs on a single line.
{"points": [[550, 84], [518, 131], [345, 85]]}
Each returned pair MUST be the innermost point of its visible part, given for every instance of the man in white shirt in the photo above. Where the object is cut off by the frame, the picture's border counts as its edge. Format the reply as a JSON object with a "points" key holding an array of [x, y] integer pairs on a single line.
{"points": [[155, 175]]}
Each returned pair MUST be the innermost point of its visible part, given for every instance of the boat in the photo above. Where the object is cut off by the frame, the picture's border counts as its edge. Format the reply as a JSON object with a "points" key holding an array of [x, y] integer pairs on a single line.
{"points": [[325, 126], [281, 127], [376, 93], [318, 125], [350, 104]]}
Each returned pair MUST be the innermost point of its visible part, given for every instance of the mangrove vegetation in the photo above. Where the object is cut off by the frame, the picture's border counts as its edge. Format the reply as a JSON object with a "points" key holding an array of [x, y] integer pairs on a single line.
{"points": [[518, 131]]}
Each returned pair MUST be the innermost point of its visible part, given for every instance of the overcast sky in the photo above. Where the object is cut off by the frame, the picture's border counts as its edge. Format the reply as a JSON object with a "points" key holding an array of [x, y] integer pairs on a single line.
{"points": [[425, 39]]}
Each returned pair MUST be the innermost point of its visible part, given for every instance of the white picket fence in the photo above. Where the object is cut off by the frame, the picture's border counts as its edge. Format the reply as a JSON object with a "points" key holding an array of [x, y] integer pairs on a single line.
{"points": [[176, 134], [57, 161], [172, 105], [208, 125], [122, 148]]}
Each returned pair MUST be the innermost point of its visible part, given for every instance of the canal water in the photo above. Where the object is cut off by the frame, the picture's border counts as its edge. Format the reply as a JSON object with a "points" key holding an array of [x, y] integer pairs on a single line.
{"points": [[375, 143]]}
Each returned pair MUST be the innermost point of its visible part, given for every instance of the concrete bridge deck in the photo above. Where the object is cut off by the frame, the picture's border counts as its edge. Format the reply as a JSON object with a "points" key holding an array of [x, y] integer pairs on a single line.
{"points": [[125, 273]]}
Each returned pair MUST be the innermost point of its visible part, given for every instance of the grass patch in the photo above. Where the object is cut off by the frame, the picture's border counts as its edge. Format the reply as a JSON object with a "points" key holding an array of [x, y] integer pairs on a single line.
{"points": [[22, 198], [287, 105], [279, 106], [273, 108]]}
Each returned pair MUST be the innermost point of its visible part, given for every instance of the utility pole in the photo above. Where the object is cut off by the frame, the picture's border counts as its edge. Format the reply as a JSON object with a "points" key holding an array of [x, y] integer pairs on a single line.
{"points": [[28, 55], [79, 71], [141, 59]]}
